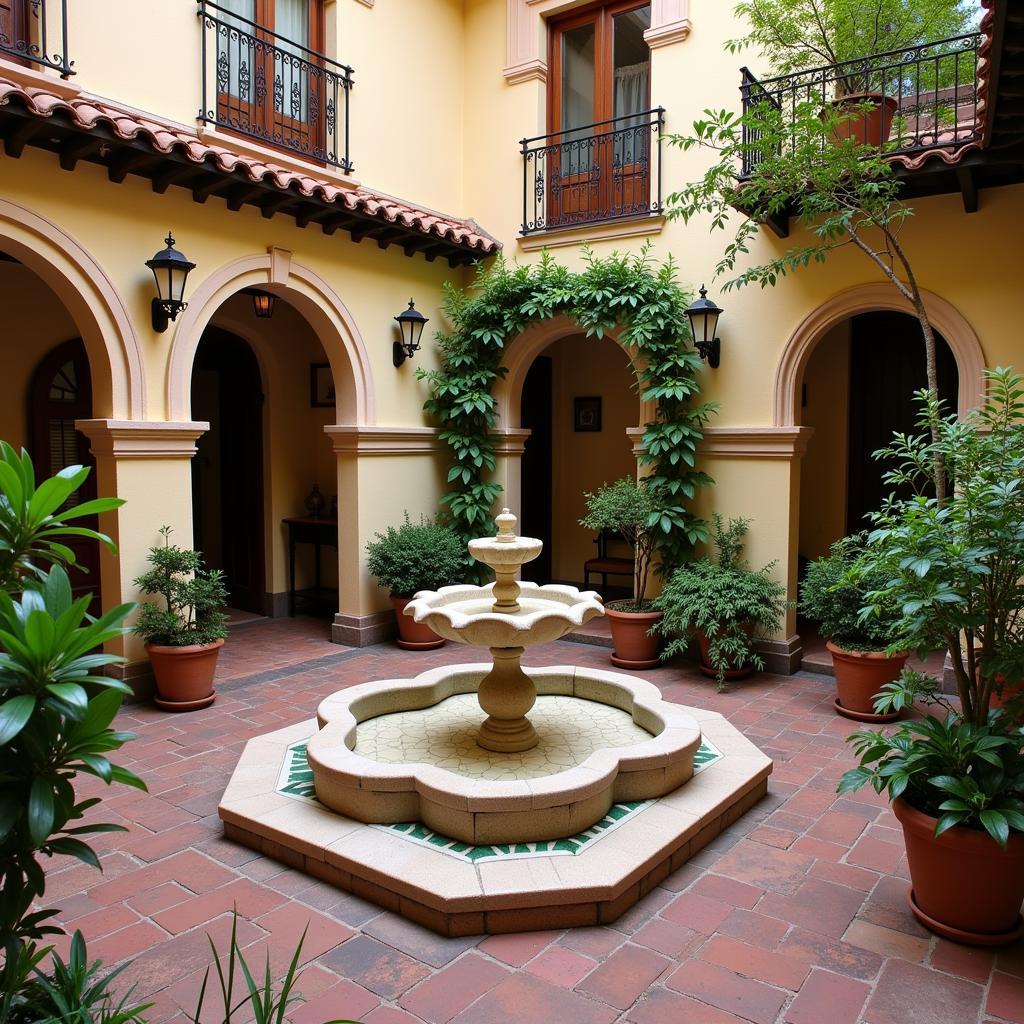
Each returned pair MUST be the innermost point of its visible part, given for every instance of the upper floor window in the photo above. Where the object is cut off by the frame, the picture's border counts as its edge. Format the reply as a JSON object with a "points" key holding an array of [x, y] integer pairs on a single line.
{"points": [[32, 32], [272, 79], [595, 163]]}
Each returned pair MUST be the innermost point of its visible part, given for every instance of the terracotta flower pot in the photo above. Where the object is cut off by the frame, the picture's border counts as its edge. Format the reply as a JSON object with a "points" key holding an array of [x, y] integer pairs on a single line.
{"points": [[859, 677], [1006, 693], [965, 886], [413, 635], [867, 127], [631, 646], [184, 675], [732, 673]]}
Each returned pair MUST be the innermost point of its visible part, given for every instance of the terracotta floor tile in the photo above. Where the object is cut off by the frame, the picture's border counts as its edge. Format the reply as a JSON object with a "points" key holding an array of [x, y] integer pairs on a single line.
{"points": [[712, 984], [526, 998], [447, 993], [622, 978], [911, 994], [828, 997]]}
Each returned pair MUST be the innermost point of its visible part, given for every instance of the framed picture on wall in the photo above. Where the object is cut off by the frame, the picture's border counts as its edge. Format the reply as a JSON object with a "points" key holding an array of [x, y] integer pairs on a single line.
{"points": [[586, 414], [321, 386]]}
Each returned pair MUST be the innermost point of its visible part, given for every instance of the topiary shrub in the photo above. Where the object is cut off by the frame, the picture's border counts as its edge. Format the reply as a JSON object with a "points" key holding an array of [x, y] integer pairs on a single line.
{"points": [[416, 556]]}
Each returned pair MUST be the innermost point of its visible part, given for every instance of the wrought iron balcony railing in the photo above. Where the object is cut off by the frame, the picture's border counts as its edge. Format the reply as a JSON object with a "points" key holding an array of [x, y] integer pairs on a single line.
{"points": [[900, 102], [270, 88], [36, 32], [598, 172]]}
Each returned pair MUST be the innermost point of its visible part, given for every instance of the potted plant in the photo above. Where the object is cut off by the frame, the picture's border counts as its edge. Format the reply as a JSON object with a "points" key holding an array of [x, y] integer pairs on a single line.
{"points": [[724, 604], [184, 631], [410, 558], [860, 659], [954, 566], [628, 508], [844, 35]]}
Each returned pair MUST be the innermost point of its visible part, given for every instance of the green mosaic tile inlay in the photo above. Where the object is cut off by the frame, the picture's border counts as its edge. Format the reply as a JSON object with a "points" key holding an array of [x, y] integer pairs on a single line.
{"points": [[296, 781]]}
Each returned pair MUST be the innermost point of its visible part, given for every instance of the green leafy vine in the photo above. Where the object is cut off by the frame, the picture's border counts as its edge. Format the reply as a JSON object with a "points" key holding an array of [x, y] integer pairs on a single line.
{"points": [[629, 291]]}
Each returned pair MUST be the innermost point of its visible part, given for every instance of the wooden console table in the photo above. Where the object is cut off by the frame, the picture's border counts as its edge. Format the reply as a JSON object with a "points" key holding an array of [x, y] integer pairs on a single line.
{"points": [[307, 530]]}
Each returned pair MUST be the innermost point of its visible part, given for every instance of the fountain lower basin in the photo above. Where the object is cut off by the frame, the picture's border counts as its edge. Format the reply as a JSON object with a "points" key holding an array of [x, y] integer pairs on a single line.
{"points": [[477, 810]]}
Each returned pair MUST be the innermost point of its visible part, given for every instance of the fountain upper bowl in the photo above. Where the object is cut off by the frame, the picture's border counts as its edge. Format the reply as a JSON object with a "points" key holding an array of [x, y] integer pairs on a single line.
{"points": [[465, 614]]}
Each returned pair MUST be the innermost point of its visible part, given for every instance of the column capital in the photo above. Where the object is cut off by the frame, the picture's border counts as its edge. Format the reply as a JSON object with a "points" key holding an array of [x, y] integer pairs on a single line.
{"points": [[511, 441], [142, 439]]}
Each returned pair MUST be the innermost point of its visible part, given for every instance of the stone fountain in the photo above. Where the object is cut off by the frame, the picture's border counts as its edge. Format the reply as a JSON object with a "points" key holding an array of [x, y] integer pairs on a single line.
{"points": [[475, 797]]}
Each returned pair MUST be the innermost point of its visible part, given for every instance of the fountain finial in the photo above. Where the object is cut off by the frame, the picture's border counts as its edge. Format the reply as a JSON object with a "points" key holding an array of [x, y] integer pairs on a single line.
{"points": [[506, 527]]}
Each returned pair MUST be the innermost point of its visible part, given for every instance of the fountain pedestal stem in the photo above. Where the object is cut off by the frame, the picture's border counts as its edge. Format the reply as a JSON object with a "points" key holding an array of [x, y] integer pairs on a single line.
{"points": [[507, 693]]}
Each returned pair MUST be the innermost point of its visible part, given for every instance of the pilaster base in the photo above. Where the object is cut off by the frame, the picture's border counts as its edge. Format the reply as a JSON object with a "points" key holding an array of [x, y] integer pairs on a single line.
{"points": [[363, 630]]}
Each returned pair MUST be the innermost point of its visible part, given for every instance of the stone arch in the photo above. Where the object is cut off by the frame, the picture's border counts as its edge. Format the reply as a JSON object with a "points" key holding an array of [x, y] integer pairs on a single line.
{"points": [[312, 296], [115, 356], [866, 298], [521, 353]]}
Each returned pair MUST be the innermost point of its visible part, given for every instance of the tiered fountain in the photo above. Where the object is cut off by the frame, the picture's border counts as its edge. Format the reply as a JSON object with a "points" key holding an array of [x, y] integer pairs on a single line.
{"points": [[496, 762]]}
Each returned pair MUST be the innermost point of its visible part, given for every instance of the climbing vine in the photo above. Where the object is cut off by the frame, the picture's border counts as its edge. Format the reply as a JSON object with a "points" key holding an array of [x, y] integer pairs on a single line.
{"points": [[630, 291]]}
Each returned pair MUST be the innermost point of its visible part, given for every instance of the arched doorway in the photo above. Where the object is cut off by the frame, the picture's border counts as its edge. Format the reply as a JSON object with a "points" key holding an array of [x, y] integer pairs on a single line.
{"points": [[227, 471], [578, 400], [60, 392]]}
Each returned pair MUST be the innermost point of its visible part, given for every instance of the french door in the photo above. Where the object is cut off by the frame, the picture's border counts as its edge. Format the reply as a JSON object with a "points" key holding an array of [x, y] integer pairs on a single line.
{"points": [[270, 82], [14, 27], [599, 159]]}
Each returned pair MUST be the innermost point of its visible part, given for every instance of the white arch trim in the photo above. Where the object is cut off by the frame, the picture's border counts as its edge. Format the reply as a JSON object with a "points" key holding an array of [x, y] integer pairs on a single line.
{"points": [[115, 356], [311, 295], [866, 298]]}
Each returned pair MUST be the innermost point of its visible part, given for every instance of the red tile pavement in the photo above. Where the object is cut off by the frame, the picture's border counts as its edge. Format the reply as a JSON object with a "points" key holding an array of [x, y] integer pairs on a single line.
{"points": [[795, 915]]}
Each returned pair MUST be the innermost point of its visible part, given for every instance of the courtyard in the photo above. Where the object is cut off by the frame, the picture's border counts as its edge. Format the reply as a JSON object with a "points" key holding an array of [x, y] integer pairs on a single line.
{"points": [[795, 914]]}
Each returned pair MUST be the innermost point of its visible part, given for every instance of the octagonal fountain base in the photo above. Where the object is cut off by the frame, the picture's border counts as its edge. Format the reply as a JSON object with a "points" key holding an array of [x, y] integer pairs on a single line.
{"points": [[572, 833]]}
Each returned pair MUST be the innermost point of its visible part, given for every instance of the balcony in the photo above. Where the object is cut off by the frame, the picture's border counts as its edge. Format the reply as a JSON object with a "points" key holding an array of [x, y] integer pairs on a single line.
{"points": [[264, 86], [930, 98], [599, 172], [35, 32]]}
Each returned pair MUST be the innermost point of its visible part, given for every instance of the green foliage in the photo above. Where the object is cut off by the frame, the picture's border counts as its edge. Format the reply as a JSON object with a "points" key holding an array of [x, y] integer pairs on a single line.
{"points": [[796, 35], [262, 1002], [33, 520], [724, 599], [79, 992], [417, 556], [55, 712], [193, 598], [627, 291], [960, 772], [628, 509], [832, 595]]}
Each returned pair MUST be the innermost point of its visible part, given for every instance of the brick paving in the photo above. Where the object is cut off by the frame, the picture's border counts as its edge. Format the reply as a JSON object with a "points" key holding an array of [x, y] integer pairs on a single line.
{"points": [[794, 915]]}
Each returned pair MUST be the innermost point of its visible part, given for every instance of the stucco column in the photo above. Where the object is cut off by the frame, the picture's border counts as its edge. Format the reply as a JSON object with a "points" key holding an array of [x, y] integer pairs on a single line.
{"points": [[148, 465], [509, 446], [383, 472]]}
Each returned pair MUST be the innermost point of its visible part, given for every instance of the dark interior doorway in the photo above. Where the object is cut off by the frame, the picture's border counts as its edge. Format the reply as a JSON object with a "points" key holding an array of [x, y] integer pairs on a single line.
{"points": [[887, 365], [60, 393], [537, 494], [227, 472]]}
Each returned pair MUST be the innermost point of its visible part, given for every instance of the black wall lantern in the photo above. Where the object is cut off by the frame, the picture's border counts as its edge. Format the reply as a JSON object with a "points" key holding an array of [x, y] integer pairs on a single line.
{"points": [[171, 270], [411, 322], [704, 316]]}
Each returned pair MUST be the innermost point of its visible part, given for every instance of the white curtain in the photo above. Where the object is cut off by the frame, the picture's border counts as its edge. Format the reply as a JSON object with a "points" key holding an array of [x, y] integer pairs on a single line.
{"points": [[291, 24], [631, 91], [235, 53]]}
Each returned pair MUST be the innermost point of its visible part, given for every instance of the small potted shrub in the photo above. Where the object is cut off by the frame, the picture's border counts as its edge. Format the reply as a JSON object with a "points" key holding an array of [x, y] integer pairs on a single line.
{"points": [[724, 604], [628, 509], [953, 564], [414, 557], [184, 630], [833, 595]]}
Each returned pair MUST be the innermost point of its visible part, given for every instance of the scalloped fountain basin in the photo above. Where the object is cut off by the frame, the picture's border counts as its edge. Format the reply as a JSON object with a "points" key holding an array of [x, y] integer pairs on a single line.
{"points": [[651, 755]]}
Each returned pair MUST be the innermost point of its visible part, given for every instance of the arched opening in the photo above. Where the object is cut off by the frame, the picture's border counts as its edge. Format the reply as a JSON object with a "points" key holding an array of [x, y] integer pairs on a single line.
{"points": [[48, 385], [266, 387], [578, 401]]}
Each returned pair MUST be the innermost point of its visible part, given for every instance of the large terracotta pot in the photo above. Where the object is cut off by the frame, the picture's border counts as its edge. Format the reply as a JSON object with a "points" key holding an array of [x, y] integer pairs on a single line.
{"points": [[184, 675], [965, 886], [859, 677], [867, 127], [413, 635], [731, 674], [631, 646]]}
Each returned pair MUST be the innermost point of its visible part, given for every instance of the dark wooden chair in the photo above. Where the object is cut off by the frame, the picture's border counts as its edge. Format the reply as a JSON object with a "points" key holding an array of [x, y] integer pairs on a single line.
{"points": [[605, 565]]}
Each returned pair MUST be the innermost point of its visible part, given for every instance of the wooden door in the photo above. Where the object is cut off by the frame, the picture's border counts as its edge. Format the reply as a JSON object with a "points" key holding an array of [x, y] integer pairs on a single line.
{"points": [[536, 466], [887, 365], [14, 26], [61, 392], [598, 163], [227, 472], [269, 82]]}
